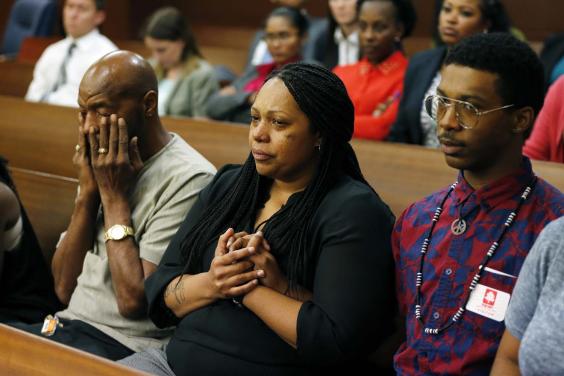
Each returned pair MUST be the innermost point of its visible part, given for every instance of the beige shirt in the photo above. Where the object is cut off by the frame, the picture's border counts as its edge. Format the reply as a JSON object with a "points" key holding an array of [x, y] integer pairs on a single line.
{"points": [[165, 190]]}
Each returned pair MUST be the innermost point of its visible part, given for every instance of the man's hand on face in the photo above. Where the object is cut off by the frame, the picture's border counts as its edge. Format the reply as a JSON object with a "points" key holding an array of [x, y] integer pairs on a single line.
{"points": [[81, 159], [115, 159]]}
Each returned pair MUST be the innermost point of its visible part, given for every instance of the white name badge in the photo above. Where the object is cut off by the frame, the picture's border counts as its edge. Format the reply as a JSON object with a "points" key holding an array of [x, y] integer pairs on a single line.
{"points": [[488, 302]]}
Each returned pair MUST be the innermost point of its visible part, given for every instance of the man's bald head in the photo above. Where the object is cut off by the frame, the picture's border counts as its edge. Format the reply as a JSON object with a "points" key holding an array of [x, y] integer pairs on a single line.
{"points": [[120, 83], [120, 74]]}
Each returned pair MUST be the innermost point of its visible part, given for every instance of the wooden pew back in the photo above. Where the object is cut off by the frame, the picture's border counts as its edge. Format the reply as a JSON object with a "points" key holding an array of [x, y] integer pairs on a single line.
{"points": [[25, 354], [15, 77], [30, 130], [48, 200], [401, 174]]}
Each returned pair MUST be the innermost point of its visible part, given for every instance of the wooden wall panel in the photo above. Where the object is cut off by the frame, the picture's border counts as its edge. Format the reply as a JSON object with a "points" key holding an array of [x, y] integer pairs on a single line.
{"points": [[5, 6], [537, 19], [119, 20]]}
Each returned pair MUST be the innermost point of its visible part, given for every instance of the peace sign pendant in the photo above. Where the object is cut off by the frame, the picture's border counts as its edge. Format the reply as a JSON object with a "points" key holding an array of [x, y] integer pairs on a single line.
{"points": [[458, 226]]}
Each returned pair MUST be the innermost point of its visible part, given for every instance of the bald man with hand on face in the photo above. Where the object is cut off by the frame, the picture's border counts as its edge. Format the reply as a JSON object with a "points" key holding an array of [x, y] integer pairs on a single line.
{"points": [[136, 183]]}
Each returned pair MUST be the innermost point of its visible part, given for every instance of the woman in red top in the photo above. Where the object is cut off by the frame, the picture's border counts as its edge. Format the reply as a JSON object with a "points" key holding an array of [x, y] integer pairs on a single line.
{"points": [[375, 83]]}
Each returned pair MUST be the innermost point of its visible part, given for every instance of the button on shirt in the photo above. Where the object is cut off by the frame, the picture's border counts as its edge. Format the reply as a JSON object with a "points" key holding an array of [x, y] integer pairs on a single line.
{"points": [[468, 346], [89, 48]]}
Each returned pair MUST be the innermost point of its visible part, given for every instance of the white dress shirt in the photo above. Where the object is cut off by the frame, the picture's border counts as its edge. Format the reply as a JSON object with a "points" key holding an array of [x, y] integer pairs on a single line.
{"points": [[348, 47], [261, 55], [429, 126], [166, 87], [89, 48]]}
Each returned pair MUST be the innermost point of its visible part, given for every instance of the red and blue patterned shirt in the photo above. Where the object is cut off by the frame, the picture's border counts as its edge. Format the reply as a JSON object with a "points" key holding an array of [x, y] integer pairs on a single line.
{"points": [[468, 346]]}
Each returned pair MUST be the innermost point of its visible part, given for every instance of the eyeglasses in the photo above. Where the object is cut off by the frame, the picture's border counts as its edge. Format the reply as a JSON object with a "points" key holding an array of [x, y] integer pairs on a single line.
{"points": [[466, 113], [279, 37]]}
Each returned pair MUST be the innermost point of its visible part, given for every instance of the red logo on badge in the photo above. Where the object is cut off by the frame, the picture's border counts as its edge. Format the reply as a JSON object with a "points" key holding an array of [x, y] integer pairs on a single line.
{"points": [[489, 297]]}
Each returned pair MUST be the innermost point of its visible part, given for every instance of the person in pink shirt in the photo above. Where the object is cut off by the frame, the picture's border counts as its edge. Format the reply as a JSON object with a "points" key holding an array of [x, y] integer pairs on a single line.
{"points": [[546, 142]]}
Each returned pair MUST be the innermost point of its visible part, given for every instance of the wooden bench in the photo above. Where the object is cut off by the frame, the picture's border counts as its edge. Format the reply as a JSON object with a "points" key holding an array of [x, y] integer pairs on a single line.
{"points": [[24, 354], [48, 200], [401, 174]]}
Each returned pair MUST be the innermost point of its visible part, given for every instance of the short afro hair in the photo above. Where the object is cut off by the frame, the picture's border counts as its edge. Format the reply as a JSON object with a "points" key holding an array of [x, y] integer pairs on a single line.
{"points": [[521, 74], [405, 13]]}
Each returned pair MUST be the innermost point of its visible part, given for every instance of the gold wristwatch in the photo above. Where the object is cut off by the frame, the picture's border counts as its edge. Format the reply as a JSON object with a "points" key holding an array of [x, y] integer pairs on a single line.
{"points": [[118, 232]]}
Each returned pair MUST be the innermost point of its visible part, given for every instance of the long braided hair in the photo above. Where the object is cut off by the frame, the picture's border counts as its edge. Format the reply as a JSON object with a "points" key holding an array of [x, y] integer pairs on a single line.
{"points": [[324, 100]]}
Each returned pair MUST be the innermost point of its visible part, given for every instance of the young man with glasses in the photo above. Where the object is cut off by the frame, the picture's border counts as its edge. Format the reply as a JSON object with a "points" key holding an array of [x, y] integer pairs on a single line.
{"points": [[459, 251]]}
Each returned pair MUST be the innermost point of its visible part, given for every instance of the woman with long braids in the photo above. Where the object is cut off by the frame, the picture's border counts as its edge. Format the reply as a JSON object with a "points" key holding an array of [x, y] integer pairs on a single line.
{"points": [[283, 266]]}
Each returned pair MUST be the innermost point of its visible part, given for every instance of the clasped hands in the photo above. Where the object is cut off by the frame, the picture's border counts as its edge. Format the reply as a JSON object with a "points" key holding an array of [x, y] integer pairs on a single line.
{"points": [[243, 261], [108, 162]]}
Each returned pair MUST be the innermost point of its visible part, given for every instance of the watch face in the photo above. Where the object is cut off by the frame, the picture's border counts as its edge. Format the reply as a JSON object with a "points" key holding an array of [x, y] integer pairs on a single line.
{"points": [[117, 232]]}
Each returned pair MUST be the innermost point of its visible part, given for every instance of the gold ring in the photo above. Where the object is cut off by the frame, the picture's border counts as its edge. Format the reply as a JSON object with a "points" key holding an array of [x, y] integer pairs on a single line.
{"points": [[102, 151], [77, 147]]}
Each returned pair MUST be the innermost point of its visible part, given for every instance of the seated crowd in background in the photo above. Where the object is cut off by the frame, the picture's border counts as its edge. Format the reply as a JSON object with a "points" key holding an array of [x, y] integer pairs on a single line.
{"points": [[287, 264], [189, 86]]}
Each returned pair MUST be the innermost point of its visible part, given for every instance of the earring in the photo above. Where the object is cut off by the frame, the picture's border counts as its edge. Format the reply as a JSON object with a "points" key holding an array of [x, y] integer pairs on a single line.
{"points": [[318, 147]]}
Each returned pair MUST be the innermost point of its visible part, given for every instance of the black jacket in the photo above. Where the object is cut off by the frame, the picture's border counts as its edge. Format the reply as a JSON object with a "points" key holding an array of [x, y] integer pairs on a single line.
{"points": [[421, 70]]}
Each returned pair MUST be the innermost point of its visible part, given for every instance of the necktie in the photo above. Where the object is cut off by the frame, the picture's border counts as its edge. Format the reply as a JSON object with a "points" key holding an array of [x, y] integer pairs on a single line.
{"points": [[62, 76]]}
